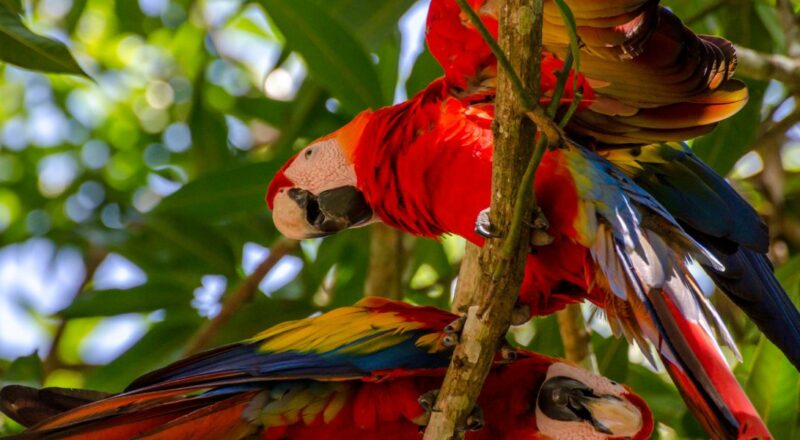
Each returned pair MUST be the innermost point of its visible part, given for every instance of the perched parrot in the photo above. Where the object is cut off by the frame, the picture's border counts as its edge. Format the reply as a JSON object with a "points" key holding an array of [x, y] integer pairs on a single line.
{"points": [[360, 372], [625, 216]]}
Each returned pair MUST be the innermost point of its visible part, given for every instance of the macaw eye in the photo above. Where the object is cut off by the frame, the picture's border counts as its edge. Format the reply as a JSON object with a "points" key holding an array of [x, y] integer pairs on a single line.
{"points": [[308, 153]]}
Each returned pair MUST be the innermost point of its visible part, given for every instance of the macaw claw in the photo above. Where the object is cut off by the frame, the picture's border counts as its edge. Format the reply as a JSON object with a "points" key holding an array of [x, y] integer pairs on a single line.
{"points": [[509, 353], [484, 226], [453, 332], [520, 314], [539, 227], [428, 400], [540, 222], [474, 421]]}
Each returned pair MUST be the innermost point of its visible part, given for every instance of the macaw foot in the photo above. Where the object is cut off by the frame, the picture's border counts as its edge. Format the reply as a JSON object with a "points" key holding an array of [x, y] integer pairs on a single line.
{"points": [[484, 226], [508, 354], [474, 421], [427, 401], [453, 331], [539, 227], [520, 314]]}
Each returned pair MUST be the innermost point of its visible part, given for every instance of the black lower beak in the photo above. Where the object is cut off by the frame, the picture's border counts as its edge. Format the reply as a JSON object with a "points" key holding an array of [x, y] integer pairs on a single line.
{"points": [[333, 210], [565, 399]]}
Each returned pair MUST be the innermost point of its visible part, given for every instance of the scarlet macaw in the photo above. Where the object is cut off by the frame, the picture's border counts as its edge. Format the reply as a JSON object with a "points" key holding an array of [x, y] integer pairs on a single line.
{"points": [[624, 220], [355, 372]]}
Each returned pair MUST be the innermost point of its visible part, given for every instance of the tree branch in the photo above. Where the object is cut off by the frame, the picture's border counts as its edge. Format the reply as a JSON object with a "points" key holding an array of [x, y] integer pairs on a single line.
{"points": [[576, 337], [502, 260], [237, 298], [764, 67]]}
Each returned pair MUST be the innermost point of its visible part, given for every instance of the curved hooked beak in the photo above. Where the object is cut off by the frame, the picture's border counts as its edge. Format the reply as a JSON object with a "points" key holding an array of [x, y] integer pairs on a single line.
{"points": [[566, 399], [299, 214]]}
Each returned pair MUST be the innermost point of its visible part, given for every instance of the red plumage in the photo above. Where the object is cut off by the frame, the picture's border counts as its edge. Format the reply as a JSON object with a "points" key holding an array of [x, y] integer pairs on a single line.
{"points": [[424, 166], [193, 398]]}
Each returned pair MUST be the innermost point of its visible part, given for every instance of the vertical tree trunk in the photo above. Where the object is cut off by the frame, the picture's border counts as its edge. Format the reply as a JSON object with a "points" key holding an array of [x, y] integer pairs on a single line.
{"points": [[576, 337]]}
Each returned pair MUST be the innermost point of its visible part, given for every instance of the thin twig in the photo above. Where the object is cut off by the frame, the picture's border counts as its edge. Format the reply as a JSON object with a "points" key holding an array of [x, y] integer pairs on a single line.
{"points": [[777, 132], [237, 298], [765, 67]]}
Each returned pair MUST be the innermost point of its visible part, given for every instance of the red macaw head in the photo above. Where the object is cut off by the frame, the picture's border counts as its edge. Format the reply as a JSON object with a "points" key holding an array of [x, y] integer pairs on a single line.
{"points": [[577, 404], [315, 193]]}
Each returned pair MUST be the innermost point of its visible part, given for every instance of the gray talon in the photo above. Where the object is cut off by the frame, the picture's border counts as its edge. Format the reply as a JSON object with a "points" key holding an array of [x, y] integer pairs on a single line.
{"points": [[520, 314], [509, 353], [456, 326], [453, 332], [450, 340], [474, 420], [539, 227], [428, 400], [540, 221], [483, 226]]}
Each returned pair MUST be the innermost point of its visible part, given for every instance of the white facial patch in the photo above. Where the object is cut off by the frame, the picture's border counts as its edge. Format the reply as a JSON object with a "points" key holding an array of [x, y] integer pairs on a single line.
{"points": [[583, 430], [321, 166], [599, 384]]}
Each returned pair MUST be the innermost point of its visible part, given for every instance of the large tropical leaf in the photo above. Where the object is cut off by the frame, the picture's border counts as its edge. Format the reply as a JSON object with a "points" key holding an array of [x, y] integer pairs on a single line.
{"points": [[335, 58], [23, 48]]}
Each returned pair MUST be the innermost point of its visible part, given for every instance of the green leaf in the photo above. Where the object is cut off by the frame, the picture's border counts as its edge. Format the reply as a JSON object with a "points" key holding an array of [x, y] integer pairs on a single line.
{"points": [[209, 131], [260, 314], [388, 67], [333, 55], [773, 386], [661, 396], [373, 22], [26, 370], [214, 195], [612, 356], [14, 6], [425, 70], [129, 16], [23, 48], [547, 338], [146, 298], [197, 239], [724, 146], [269, 110], [75, 14]]}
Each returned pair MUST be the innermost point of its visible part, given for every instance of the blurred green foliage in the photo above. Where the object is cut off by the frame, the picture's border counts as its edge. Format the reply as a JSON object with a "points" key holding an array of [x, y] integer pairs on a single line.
{"points": [[164, 155]]}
